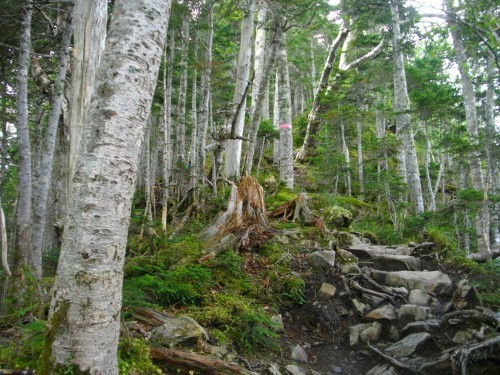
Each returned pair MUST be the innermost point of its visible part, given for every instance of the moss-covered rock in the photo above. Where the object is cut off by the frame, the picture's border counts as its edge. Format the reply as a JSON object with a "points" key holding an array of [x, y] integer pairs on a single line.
{"points": [[338, 217]]}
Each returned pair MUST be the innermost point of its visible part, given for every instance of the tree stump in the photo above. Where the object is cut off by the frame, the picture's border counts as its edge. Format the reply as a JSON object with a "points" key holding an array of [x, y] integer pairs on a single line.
{"points": [[243, 225], [298, 208]]}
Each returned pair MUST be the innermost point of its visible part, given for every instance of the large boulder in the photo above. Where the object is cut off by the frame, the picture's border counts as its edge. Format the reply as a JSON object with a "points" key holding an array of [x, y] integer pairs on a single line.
{"points": [[430, 282], [337, 216], [181, 330], [322, 259], [409, 345]]}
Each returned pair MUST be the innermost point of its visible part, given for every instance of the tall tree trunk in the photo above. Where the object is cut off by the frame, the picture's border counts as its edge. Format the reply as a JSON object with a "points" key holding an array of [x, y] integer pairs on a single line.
{"points": [[84, 317], [233, 147], [313, 120], [347, 157], [276, 118], [359, 141], [489, 118], [193, 155], [403, 119], [181, 103], [88, 45], [41, 190], [428, 159], [167, 154], [285, 111], [262, 69], [23, 220], [472, 126]]}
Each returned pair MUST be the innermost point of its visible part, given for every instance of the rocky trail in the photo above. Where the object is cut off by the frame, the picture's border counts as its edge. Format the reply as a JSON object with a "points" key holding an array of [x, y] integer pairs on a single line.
{"points": [[370, 309], [388, 310]]}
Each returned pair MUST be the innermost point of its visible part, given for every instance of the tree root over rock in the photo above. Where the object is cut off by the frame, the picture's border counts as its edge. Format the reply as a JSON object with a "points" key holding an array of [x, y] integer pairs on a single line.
{"points": [[458, 359], [208, 365]]}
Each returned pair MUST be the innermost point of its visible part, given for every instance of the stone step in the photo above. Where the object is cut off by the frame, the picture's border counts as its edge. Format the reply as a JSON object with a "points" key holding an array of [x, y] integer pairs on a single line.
{"points": [[435, 282]]}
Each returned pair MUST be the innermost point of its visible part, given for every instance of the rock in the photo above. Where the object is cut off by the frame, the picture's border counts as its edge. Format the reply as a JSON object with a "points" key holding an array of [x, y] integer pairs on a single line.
{"points": [[350, 269], [277, 323], [180, 330], [386, 312], [327, 291], [299, 354], [372, 333], [294, 370], [394, 262], [360, 307], [419, 297], [462, 336], [430, 282], [269, 185], [346, 256], [338, 216], [408, 345], [431, 325], [382, 369], [322, 259], [365, 332], [273, 369], [465, 296], [414, 312]]}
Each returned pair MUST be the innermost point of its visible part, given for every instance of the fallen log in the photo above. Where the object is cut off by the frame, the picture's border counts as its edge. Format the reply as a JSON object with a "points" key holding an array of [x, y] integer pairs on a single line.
{"points": [[190, 360]]}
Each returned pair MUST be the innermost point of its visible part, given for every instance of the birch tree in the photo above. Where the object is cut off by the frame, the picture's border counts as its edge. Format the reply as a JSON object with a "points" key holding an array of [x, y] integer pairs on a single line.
{"points": [[23, 219], [233, 146], [407, 154], [84, 320]]}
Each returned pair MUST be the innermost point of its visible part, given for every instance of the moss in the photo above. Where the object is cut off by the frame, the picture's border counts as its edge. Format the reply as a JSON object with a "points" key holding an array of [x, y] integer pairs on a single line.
{"points": [[134, 357], [57, 324]]}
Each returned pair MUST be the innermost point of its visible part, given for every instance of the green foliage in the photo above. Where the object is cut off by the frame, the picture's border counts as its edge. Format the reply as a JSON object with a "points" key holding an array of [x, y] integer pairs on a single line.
{"points": [[25, 350], [182, 285], [134, 358], [267, 129], [293, 288], [281, 196]]}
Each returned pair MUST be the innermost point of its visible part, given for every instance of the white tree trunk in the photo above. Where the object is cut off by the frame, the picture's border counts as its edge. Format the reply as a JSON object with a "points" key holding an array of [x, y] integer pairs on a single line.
{"points": [[403, 119], [471, 121], [181, 103], [85, 310], [44, 175], [285, 111], [23, 219], [233, 146], [206, 80], [167, 154], [194, 133], [88, 46], [361, 174], [347, 157], [276, 118]]}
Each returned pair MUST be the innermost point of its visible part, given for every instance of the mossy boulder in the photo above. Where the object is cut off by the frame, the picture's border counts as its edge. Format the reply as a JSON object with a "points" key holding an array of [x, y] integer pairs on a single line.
{"points": [[338, 217]]}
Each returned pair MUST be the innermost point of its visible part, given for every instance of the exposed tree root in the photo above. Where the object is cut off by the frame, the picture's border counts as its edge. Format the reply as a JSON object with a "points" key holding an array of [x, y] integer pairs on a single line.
{"points": [[355, 285], [296, 209], [392, 360], [243, 225], [460, 358], [185, 359], [461, 316]]}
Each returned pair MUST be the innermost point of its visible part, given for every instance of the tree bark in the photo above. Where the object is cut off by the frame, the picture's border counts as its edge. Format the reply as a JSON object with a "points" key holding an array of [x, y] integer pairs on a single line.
{"points": [[285, 110], [84, 317], [404, 130], [233, 147], [23, 220], [167, 154], [206, 79], [313, 121], [44, 173]]}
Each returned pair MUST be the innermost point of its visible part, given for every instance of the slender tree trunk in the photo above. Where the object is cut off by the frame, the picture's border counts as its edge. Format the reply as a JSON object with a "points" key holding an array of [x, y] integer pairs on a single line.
{"points": [[285, 111], [206, 79], [84, 320], [472, 127], [361, 174], [233, 147], [262, 69], [181, 104], [402, 115], [23, 220], [167, 154], [347, 157], [313, 121], [428, 154], [194, 134], [41, 191], [276, 118]]}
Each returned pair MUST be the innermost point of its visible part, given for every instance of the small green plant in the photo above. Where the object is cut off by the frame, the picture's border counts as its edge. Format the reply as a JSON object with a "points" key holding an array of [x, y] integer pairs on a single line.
{"points": [[293, 289], [134, 357]]}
